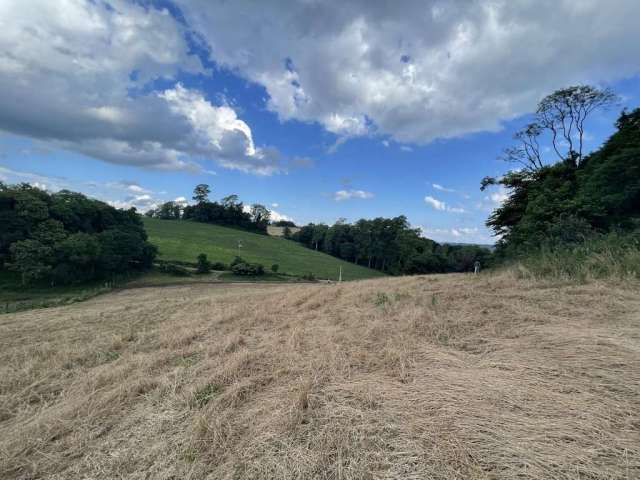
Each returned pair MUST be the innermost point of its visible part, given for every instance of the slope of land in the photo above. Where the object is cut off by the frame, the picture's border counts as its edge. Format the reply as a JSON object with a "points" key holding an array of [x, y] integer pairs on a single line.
{"points": [[184, 241], [417, 377]]}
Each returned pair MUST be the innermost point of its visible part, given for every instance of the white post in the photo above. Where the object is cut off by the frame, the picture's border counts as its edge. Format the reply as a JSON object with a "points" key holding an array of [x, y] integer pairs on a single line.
{"points": [[340, 277]]}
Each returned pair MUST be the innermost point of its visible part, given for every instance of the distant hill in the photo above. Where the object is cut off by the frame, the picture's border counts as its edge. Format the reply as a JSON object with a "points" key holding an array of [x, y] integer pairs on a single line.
{"points": [[183, 240]]}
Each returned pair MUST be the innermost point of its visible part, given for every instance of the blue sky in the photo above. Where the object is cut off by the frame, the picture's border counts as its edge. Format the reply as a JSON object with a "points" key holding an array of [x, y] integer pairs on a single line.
{"points": [[318, 111]]}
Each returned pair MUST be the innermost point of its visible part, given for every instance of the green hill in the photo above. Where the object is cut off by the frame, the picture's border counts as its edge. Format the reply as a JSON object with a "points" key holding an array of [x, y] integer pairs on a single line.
{"points": [[184, 240]]}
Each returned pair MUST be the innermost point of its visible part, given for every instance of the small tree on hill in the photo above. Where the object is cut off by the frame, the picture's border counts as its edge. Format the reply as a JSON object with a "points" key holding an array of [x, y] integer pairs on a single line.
{"points": [[203, 266]]}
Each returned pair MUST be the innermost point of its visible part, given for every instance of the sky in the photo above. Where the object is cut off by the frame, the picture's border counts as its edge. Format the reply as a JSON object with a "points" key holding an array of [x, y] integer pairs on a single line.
{"points": [[319, 110]]}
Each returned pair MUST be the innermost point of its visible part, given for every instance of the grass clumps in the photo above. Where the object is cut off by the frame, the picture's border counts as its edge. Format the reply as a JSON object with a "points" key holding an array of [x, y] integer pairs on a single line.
{"points": [[205, 394], [606, 256]]}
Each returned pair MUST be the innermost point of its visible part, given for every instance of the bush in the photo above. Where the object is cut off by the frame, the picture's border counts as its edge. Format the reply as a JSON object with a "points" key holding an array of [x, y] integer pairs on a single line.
{"points": [[203, 265], [219, 266], [275, 267], [309, 277], [173, 269], [237, 260], [247, 269]]}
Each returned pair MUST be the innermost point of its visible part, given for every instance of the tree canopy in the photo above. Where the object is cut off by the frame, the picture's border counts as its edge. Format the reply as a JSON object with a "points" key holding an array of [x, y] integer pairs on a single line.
{"points": [[389, 245], [66, 237], [571, 200]]}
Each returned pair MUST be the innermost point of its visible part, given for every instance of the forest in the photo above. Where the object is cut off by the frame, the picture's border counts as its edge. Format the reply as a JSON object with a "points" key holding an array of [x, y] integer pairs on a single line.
{"points": [[65, 237], [391, 246]]}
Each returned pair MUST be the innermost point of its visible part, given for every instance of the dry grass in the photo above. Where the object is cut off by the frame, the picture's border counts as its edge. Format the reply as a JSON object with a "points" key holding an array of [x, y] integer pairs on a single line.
{"points": [[425, 377]]}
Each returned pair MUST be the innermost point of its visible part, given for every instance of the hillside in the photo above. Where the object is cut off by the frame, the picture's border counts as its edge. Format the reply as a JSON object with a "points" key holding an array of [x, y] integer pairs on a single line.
{"points": [[184, 241], [438, 377]]}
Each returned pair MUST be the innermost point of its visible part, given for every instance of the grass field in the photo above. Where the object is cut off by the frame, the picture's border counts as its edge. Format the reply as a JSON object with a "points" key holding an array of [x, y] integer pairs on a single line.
{"points": [[440, 377], [184, 241]]}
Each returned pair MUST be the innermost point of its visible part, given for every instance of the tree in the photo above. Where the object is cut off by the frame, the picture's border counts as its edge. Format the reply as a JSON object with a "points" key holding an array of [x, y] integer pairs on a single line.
{"points": [[32, 259], [562, 117], [284, 223], [230, 201], [203, 265], [564, 113], [77, 258], [286, 232], [275, 267], [169, 211], [260, 216], [201, 193]]}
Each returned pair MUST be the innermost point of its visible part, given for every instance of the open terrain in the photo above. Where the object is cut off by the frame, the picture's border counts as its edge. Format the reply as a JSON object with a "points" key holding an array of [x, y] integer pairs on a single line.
{"points": [[418, 377], [185, 240]]}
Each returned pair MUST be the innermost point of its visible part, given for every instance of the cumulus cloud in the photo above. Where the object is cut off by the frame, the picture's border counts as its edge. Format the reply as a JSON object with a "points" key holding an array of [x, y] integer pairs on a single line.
{"points": [[79, 75], [217, 131], [431, 69], [442, 206], [435, 203], [277, 216], [342, 195]]}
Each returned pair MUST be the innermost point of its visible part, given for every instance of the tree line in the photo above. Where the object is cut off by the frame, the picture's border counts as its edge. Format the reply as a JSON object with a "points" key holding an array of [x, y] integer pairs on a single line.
{"points": [[65, 237], [389, 245], [577, 196], [229, 211]]}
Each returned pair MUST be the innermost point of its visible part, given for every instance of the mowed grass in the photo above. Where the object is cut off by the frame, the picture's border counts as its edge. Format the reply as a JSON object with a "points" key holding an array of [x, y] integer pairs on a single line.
{"points": [[434, 377], [184, 241]]}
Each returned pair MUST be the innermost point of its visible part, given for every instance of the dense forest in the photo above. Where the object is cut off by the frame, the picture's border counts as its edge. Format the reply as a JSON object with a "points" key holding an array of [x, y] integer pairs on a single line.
{"points": [[65, 237], [577, 197], [390, 245], [229, 212]]}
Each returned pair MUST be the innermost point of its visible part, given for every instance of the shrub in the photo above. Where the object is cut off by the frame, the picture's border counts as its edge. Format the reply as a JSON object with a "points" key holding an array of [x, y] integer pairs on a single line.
{"points": [[219, 266], [173, 269], [237, 260], [247, 269], [309, 277], [275, 267], [203, 265]]}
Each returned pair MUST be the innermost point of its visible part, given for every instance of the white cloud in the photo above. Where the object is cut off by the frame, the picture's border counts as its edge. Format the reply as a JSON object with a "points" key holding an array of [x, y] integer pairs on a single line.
{"points": [[435, 203], [456, 209], [441, 188], [78, 75], [442, 206], [431, 69], [342, 195], [127, 186], [499, 197], [277, 216], [275, 205], [43, 182], [220, 133], [493, 200]]}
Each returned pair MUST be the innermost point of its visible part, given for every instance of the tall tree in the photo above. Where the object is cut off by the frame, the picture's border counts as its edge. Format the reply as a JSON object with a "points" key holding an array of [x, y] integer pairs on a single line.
{"points": [[561, 118], [260, 216], [201, 193]]}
